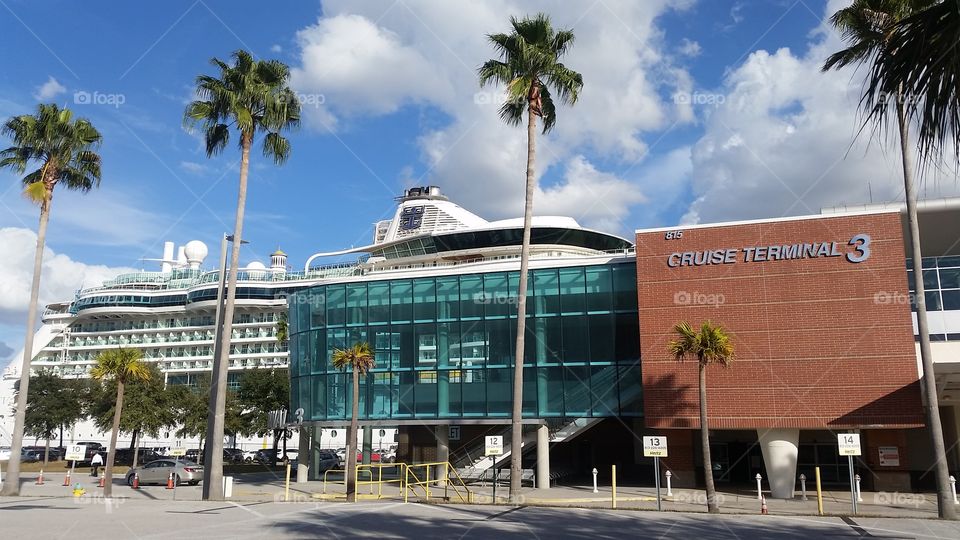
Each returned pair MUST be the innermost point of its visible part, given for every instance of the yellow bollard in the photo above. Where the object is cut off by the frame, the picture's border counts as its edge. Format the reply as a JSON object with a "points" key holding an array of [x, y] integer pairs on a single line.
{"points": [[406, 482], [427, 485], [819, 493], [286, 489], [613, 483]]}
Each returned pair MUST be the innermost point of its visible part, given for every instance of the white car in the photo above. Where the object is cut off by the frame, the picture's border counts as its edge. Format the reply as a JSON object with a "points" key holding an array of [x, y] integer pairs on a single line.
{"points": [[4, 453], [249, 456]]}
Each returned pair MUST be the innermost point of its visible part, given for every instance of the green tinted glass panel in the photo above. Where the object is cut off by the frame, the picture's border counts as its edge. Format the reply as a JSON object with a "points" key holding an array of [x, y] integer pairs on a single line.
{"points": [[319, 407], [496, 296], [625, 287], [424, 300], [336, 299], [471, 297], [356, 304], [425, 392], [378, 299], [603, 385], [627, 341], [576, 390], [572, 290], [404, 393], [602, 338], [401, 301], [575, 339], [599, 289], [473, 344], [448, 298], [546, 292], [448, 392], [500, 343], [426, 346], [474, 389], [499, 391], [336, 395], [544, 341], [529, 405], [631, 390], [320, 358], [381, 396], [315, 304], [950, 278], [549, 391]]}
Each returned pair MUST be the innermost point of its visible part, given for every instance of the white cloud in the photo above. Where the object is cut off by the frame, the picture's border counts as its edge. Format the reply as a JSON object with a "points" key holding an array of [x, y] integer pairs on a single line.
{"points": [[276, 49], [373, 59], [49, 90], [5, 351], [193, 167], [598, 200], [783, 141], [689, 48], [61, 276]]}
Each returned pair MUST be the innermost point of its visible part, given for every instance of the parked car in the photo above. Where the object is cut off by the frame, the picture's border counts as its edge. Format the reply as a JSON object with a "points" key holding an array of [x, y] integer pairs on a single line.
{"points": [[249, 456], [31, 456], [4, 453], [233, 455], [54, 451], [125, 456], [328, 460], [158, 471], [269, 456], [193, 454], [92, 448]]}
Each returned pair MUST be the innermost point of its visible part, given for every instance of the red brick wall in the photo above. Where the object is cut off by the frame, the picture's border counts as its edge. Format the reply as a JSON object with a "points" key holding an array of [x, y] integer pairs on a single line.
{"points": [[820, 342]]}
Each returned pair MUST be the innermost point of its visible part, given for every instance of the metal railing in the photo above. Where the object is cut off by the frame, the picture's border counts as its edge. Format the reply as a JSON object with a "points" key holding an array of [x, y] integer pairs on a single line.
{"points": [[444, 476], [442, 479]]}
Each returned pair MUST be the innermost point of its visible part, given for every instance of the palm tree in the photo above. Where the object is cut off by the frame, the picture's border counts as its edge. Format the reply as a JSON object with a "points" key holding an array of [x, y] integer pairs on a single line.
{"points": [[252, 96], [529, 67], [360, 360], [121, 365], [711, 345], [65, 150], [869, 27]]}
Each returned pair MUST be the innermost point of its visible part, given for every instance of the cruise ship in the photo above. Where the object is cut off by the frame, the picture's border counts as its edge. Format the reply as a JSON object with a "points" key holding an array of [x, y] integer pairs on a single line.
{"points": [[169, 313]]}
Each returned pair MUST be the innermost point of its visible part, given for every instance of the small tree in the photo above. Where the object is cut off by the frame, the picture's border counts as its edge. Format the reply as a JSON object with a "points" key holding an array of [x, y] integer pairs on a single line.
{"points": [[360, 360], [54, 403], [710, 345], [121, 365], [262, 391], [192, 408], [148, 407]]}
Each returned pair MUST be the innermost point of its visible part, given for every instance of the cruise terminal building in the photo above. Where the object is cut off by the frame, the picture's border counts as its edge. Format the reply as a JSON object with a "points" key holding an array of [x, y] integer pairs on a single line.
{"points": [[819, 308]]}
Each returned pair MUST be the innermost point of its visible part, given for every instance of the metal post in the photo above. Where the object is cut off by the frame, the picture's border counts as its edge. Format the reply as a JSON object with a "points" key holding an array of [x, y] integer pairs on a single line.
{"points": [[953, 488], [819, 492], [853, 493], [859, 497], [803, 486], [595, 490], [669, 489], [613, 484], [286, 485], [759, 490], [494, 458], [656, 472]]}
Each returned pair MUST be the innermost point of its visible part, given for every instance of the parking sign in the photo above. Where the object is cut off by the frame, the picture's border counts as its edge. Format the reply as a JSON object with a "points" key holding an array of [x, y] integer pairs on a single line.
{"points": [[493, 445], [849, 444], [655, 446], [76, 452]]}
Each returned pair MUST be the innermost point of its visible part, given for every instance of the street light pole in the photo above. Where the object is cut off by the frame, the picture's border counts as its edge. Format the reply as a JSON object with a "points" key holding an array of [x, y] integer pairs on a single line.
{"points": [[208, 487]]}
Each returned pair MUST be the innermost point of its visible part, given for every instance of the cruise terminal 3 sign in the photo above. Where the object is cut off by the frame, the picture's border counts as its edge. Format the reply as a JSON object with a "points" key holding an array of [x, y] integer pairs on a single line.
{"points": [[856, 250]]}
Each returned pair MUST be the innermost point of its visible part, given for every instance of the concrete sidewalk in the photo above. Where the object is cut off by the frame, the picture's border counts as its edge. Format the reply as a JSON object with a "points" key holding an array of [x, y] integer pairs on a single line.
{"points": [[268, 486]]}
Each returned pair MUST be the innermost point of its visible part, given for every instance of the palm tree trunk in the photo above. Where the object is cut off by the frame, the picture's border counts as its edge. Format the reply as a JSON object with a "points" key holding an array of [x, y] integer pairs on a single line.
{"points": [[213, 469], [352, 438], [516, 433], [112, 451], [705, 442], [135, 445], [945, 505], [11, 485]]}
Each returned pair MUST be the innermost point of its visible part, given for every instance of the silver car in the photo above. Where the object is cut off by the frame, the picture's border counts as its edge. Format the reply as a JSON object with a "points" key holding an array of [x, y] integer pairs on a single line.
{"points": [[158, 471]]}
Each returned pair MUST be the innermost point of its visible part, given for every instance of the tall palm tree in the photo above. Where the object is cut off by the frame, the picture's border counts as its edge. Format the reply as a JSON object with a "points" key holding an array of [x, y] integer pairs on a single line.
{"points": [[122, 365], [64, 148], [252, 96], [710, 345], [868, 27], [360, 359], [529, 67]]}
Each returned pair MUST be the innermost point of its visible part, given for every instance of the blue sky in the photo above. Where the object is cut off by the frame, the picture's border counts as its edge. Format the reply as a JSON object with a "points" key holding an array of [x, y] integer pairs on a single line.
{"points": [[691, 111]]}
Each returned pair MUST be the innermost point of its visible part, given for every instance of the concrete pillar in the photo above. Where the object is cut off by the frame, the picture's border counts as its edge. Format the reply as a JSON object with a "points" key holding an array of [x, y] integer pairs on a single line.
{"points": [[316, 443], [443, 448], [543, 457], [779, 448], [367, 444], [304, 456]]}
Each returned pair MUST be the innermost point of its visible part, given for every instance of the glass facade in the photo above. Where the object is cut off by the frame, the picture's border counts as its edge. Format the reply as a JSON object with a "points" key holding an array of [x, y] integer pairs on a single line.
{"points": [[445, 345], [941, 285]]}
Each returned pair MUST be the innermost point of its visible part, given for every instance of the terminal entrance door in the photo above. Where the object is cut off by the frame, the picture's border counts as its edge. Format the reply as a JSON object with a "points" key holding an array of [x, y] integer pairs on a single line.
{"points": [[833, 467]]}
